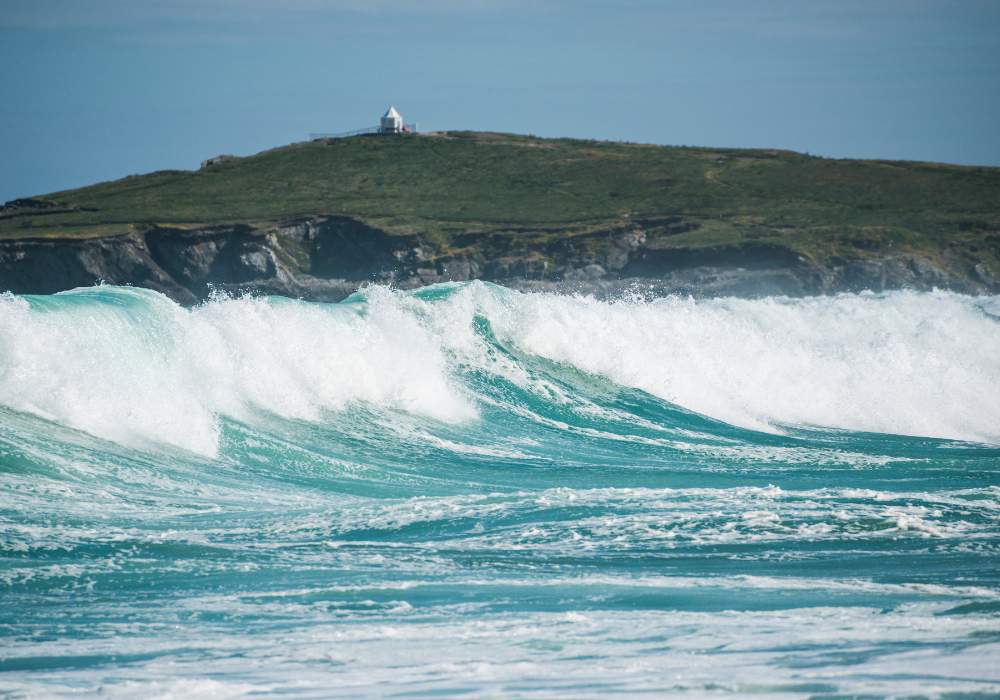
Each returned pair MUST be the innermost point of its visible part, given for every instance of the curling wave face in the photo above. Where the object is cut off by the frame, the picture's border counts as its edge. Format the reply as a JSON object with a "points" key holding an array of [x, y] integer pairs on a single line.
{"points": [[466, 489]]}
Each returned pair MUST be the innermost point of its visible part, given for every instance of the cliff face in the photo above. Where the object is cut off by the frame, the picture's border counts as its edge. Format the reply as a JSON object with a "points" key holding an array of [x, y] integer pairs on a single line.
{"points": [[325, 258]]}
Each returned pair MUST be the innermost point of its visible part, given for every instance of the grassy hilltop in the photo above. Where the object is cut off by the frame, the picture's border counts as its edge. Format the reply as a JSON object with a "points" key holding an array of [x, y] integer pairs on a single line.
{"points": [[446, 184]]}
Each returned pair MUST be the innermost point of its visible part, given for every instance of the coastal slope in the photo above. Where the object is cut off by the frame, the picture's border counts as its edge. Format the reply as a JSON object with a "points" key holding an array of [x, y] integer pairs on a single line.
{"points": [[319, 218]]}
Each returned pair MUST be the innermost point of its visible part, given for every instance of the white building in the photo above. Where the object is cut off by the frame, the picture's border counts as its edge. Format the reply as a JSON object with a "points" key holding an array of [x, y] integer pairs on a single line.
{"points": [[392, 122]]}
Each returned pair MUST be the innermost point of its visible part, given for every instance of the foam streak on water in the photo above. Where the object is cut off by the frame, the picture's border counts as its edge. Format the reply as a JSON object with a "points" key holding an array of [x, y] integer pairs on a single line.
{"points": [[470, 491]]}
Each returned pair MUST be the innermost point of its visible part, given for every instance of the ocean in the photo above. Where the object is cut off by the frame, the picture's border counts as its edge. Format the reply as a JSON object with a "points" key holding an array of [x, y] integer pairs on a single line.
{"points": [[467, 491]]}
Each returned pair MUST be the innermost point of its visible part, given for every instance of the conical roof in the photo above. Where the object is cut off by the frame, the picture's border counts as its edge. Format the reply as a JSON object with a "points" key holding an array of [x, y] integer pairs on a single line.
{"points": [[391, 114]]}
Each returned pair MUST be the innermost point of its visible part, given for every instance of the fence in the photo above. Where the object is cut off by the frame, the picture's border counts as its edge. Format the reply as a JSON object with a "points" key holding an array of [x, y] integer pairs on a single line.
{"points": [[407, 128]]}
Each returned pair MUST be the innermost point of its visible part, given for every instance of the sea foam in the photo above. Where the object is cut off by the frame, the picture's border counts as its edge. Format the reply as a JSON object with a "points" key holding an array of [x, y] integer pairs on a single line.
{"points": [[924, 364], [131, 366]]}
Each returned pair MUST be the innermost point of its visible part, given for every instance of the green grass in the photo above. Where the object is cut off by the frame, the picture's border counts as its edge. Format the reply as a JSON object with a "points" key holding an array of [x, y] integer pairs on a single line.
{"points": [[440, 185]]}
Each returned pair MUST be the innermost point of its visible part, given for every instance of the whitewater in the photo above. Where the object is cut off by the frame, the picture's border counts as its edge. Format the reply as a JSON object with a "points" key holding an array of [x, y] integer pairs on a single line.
{"points": [[470, 491]]}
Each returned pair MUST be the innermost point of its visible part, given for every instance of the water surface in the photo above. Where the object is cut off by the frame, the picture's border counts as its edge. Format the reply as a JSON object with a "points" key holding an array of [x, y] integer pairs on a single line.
{"points": [[466, 491]]}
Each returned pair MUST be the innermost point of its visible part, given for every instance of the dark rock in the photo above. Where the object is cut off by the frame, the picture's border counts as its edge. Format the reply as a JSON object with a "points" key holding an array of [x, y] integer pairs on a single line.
{"points": [[327, 258], [257, 263], [459, 269], [217, 160], [985, 275], [346, 248], [27, 204]]}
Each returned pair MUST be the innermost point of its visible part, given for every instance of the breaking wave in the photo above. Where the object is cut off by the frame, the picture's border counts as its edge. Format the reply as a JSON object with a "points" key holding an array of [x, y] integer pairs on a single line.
{"points": [[133, 367]]}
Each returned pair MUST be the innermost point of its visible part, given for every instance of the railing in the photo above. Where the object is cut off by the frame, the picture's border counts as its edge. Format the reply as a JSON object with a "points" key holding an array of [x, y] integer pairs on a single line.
{"points": [[407, 128], [346, 134]]}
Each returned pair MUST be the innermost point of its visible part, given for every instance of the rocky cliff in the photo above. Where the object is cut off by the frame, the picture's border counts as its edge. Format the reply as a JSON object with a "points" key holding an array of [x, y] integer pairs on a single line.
{"points": [[326, 258]]}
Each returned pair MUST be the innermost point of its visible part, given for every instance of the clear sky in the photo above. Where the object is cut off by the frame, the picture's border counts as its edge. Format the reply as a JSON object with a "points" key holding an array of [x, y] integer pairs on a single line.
{"points": [[95, 90]]}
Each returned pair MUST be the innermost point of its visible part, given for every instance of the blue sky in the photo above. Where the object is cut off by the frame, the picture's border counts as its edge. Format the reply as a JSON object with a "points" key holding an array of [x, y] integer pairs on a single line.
{"points": [[97, 90]]}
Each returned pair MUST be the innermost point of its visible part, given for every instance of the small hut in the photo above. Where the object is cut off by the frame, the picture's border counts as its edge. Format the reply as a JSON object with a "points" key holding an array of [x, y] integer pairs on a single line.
{"points": [[392, 122]]}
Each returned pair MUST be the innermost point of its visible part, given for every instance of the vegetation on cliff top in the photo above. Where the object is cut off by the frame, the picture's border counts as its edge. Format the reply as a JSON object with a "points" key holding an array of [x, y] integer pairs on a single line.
{"points": [[443, 184]]}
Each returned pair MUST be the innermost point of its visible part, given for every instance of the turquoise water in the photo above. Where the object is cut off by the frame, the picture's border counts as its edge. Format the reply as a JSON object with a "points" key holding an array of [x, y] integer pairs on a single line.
{"points": [[466, 491]]}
